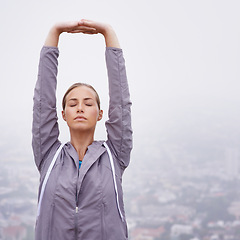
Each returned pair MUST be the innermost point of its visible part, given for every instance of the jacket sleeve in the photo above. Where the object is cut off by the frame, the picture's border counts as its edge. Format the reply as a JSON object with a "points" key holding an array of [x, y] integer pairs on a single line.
{"points": [[45, 130], [119, 130]]}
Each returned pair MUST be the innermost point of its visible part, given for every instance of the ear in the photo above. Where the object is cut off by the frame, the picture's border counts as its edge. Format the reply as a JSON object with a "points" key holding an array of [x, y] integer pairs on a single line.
{"points": [[100, 115], [63, 116]]}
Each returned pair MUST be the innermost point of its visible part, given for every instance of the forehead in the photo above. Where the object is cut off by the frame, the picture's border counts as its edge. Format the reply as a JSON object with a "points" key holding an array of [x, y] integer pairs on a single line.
{"points": [[81, 92]]}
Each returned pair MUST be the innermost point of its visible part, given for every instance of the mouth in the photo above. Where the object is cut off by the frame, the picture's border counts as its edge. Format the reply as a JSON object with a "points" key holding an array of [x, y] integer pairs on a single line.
{"points": [[80, 118]]}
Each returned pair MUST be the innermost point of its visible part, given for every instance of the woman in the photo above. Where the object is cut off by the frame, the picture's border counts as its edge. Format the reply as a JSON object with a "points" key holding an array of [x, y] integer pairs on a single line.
{"points": [[83, 197]]}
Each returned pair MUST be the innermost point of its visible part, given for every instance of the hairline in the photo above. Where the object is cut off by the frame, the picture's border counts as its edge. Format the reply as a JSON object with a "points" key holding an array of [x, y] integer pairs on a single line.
{"points": [[75, 85]]}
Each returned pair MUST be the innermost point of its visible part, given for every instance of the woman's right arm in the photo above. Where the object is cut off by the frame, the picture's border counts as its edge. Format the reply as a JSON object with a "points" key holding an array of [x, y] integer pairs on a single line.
{"points": [[45, 127], [45, 130]]}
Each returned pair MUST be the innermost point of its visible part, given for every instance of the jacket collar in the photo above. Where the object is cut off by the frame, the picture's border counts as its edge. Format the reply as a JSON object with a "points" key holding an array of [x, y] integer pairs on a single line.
{"points": [[94, 151]]}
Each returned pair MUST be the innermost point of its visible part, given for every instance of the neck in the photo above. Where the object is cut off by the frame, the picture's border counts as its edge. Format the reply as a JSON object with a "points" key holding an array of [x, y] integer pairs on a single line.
{"points": [[81, 141]]}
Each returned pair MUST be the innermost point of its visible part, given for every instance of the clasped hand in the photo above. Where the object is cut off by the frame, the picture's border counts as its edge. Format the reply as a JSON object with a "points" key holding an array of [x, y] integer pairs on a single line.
{"points": [[83, 26]]}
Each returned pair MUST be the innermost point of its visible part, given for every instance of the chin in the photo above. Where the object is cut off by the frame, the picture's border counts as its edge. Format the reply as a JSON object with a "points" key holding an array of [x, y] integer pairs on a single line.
{"points": [[82, 128]]}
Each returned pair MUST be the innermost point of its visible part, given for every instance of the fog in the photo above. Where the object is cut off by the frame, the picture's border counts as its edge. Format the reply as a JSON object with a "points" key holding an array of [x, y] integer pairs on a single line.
{"points": [[182, 60]]}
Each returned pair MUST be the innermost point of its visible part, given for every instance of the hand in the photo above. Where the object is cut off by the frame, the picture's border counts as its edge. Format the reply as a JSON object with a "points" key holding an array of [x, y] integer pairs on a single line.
{"points": [[83, 26], [91, 27], [53, 36], [73, 27]]}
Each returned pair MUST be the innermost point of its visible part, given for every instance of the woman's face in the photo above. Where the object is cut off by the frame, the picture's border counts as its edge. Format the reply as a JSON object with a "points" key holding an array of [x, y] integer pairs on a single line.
{"points": [[81, 111]]}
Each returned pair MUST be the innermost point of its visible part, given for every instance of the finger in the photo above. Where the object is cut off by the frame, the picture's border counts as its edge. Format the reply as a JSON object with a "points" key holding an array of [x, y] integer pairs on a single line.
{"points": [[75, 31], [83, 28], [87, 31], [90, 32], [85, 22]]}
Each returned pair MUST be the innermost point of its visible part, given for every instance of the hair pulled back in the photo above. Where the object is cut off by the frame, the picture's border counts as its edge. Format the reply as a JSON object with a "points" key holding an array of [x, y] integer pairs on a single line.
{"points": [[79, 85]]}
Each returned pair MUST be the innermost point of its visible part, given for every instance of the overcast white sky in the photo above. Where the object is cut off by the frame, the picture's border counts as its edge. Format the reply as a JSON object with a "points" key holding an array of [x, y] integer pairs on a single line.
{"points": [[182, 59]]}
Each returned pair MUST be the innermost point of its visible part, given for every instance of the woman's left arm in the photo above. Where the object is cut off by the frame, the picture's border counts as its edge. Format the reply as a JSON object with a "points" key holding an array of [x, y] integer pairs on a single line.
{"points": [[119, 128], [118, 125]]}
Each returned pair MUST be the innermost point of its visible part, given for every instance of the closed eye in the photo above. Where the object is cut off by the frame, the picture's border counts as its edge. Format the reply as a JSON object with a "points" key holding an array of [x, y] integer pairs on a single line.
{"points": [[88, 104], [72, 102]]}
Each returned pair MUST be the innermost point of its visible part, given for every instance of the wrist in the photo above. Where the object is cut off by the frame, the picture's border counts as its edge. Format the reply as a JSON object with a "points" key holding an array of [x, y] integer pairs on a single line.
{"points": [[108, 30], [55, 30], [111, 37], [53, 37]]}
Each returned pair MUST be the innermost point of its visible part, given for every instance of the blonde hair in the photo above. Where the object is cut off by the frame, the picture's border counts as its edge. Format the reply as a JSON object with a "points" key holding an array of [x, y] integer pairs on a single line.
{"points": [[79, 85]]}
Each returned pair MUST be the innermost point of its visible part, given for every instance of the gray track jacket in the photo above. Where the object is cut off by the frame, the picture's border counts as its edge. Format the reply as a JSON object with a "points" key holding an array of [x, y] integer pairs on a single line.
{"points": [[90, 189]]}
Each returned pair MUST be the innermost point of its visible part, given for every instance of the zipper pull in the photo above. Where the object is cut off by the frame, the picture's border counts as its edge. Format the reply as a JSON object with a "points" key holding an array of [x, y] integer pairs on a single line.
{"points": [[76, 209]]}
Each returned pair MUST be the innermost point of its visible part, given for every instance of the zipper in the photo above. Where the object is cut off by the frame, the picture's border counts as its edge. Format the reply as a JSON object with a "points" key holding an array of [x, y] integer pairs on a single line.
{"points": [[76, 228], [76, 210], [76, 220]]}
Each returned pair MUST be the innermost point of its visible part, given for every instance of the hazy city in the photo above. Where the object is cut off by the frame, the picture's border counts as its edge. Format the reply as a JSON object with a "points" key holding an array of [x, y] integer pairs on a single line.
{"points": [[182, 60], [185, 186]]}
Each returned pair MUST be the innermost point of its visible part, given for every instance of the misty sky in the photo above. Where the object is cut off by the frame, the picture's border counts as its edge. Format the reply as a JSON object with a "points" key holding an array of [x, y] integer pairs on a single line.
{"points": [[182, 60]]}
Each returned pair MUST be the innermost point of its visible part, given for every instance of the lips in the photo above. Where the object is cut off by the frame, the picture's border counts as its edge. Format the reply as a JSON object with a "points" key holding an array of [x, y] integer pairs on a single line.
{"points": [[80, 118]]}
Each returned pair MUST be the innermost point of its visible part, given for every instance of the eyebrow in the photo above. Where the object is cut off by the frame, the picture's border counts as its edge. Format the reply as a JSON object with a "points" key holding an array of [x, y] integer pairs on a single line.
{"points": [[88, 98], [75, 99], [72, 99]]}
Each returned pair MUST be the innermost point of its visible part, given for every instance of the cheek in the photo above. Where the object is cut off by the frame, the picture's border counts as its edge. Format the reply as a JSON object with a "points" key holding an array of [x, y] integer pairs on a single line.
{"points": [[68, 113], [94, 113]]}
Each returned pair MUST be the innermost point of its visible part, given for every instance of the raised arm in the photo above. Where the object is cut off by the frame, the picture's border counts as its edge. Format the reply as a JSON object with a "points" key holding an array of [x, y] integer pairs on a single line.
{"points": [[119, 123], [45, 127]]}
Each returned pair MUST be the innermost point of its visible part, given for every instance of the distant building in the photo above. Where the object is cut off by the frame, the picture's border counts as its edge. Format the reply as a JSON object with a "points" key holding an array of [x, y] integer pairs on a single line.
{"points": [[178, 229], [147, 233], [232, 163], [234, 209], [14, 233]]}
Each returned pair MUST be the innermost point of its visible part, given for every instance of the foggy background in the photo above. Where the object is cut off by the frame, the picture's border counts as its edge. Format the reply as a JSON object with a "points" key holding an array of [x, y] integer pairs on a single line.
{"points": [[182, 60]]}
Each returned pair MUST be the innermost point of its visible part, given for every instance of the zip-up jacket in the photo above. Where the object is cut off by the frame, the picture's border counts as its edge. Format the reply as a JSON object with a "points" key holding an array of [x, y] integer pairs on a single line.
{"points": [[80, 204]]}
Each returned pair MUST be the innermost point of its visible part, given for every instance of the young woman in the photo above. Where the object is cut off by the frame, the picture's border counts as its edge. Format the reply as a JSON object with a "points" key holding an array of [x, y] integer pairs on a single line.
{"points": [[82, 199]]}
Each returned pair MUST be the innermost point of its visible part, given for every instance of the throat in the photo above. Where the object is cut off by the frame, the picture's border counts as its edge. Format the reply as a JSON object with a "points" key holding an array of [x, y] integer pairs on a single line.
{"points": [[81, 150], [81, 141]]}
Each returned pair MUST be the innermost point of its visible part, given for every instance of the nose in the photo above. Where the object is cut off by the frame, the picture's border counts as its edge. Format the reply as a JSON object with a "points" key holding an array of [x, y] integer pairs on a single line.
{"points": [[80, 108]]}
